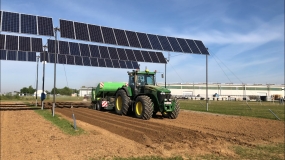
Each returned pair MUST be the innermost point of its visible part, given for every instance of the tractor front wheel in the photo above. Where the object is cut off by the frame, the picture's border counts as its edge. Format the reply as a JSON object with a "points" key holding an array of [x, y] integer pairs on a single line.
{"points": [[175, 112], [143, 107], [122, 102]]}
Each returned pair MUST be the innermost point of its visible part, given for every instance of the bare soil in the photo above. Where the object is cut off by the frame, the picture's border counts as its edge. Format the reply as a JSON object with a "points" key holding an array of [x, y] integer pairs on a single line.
{"points": [[26, 135]]}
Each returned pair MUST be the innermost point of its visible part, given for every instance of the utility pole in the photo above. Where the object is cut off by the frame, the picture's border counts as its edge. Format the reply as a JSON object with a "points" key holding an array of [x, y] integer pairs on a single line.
{"points": [[37, 80]]}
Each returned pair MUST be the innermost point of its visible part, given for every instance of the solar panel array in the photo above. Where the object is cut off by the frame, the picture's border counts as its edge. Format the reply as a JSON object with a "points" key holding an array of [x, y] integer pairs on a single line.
{"points": [[26, 24], [89, 61], [101, 34], [18, 55], [103, 52], [19, 43]]}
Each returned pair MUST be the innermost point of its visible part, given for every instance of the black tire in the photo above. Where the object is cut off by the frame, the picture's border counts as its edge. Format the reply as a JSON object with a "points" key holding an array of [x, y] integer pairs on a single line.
{"points": [[122, 102], [175, 112], [143, 107], [93, 105], [99, 105]]}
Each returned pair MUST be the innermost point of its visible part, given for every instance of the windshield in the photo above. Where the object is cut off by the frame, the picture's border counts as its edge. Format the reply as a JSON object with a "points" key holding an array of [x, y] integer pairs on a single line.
{"points": [[146, 79]]}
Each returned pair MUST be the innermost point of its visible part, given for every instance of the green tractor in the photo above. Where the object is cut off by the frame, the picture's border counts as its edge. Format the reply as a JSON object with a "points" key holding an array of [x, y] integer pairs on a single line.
{"points": [[140, 96]]}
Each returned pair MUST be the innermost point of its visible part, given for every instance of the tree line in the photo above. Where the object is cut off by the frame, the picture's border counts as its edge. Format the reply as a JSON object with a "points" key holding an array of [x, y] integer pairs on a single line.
{"points": [[62, 91]]}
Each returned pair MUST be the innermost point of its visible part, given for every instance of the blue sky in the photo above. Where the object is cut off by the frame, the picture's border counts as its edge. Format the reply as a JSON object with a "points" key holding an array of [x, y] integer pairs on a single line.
{"points": [[245, 39]]}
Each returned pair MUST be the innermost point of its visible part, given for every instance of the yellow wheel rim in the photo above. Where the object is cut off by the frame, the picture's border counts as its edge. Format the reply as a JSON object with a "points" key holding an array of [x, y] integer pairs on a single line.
{"points": [[119, 103], [139, 108]]}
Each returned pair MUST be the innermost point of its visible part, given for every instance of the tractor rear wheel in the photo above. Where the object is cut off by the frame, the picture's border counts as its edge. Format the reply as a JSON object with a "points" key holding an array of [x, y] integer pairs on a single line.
{"points": [[175, 112], [99, 105], [122, 102], [143, 107]]}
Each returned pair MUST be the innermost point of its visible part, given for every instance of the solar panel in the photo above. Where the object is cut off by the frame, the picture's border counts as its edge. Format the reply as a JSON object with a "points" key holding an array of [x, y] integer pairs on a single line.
{"points": [[0, 20], [74, 49], [113, 53], [130, 54], [160, 57], [28, 24], [63, 47], [135, 65], [37, 44], [201, 46], [138, 55], [154, 42], [61, 59], [122, 54], [81, 31], [146, 56], [122, 64], [164, 43], [116, 63], [153, 57], [10, 22], [2, 41], [184, 45], [144, 40], [104, 52], [174, 43], [121, 37], [94, 62], [109, 63], [12, 55], [11, 42], [108, 35], [192, 45], [129, 65], [101, 62], [66, 29], [44, 56], [24, 43], [51, 46], [86, 61], [84, 49], [22, 56], [94, 50], [32, 56], [95, 33], [45, 26], [78, 60], [3, 54], [133, 39], [69, 59], [51, 57]]}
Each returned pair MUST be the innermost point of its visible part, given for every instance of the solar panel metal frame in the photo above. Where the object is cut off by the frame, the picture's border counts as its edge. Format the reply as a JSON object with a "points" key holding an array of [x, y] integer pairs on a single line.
{"points": [[135, 65], [101, 62], [2, 41], [146, 56], [24, 43], [37, 44], [67, 29], [11, 55], [122, 64], [94, 61], [116, 63], [12, 42], [78, 60], [22, 56], [28, 25], [81, 31], [63, 47], [129, 65], [108, 35], [109, 63], [32, 56], [46, 28], [153, 57], [11, 26], [86, 61], [84, 50], [61, 59], [3, 54], [70, 60]]}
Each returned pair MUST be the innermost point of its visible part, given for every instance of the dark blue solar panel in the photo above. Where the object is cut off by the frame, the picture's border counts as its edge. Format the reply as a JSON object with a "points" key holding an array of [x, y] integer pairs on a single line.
{"points": [[74, 49], [164, 43], [12, 55], [2, 41], [133, 39], [78, 60], [86, 61], [108, 35], [160, 57], [175, 46], [81, 31], [24, 43], [69, 59], [146, 56], [63, 47], [135, 65], [3, 54], [129, 64], [51, 46], [10, 22], [138, 55], [51, 57], [94, 51], [154, 41], [153, 57], [101, 62], [37, 44], [44, 56], [66, 29], [22, 56], [28, 24], [192, 45], [121, 37], [109, 63], [122, 54], [45, 26], [95, 33], [184, 45], [122, 64], [104, 52], [144, 40], [116, 63], [32, 56], [84, 49], [11, 42], [61, 59], [201, 46], [113, 53], [130, 55], [94, 62]]}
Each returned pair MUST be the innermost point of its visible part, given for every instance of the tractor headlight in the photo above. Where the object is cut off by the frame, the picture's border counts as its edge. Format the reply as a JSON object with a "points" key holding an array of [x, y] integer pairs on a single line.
{"points": [[162, 93]]}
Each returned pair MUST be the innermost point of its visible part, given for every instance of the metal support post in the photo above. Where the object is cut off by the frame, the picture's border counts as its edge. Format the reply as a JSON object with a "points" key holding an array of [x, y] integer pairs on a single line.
{"points": [[207, 101], [43, 87], [55, 61], [37, 81]]}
